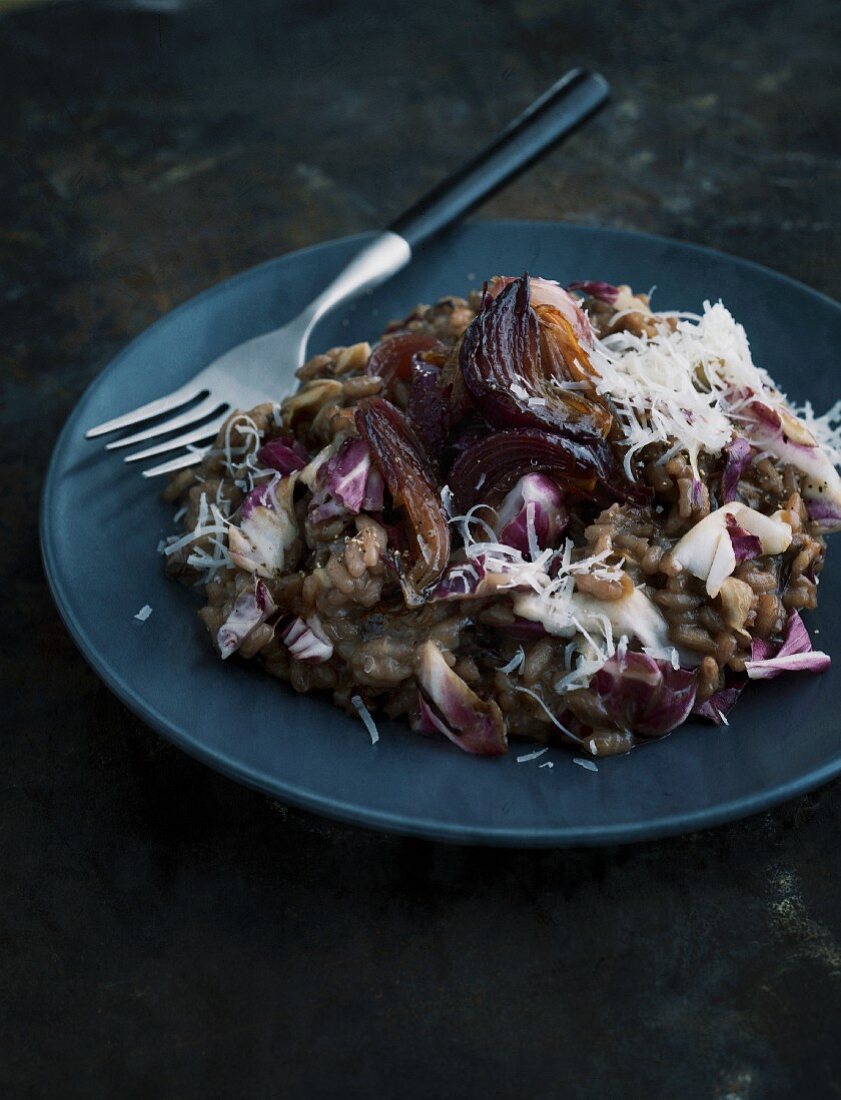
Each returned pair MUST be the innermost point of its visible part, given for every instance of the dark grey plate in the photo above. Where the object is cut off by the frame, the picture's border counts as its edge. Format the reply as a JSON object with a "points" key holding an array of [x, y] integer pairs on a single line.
{"points": [[100, 525]]}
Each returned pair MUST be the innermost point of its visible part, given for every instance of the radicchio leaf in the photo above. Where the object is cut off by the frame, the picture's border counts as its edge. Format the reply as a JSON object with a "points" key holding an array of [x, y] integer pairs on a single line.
{"points": [[532, 516], [267, 528], [795, 654], [306, 641], [515, 372], [745, 545], [719, 704], [459, 581], [825, 515], [776, 429], [448, 705], [283, 454], [739, 455], [644, 694], [250, 610], [403, 464], [348, 483], [604, 292]]}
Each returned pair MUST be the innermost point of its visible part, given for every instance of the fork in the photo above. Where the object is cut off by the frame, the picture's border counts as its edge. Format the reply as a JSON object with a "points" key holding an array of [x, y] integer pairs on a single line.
{"points": [[256, 370]]}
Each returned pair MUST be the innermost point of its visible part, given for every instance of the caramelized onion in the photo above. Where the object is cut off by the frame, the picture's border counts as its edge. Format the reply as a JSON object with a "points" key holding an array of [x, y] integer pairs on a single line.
{"points": [[400, 456], [495, 464], [429, 407], [518, 365], [392, 359]]}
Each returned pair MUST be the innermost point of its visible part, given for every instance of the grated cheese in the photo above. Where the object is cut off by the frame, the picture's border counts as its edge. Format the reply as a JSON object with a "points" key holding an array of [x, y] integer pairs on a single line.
{"points": [[531, 756], [366, 717], [514, 663], [826, 428], [590, 765], [212, 525], [673, 388]]}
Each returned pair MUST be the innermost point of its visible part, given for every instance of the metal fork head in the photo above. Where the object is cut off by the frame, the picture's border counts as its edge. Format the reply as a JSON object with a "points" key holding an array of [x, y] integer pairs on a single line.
{"points": [[259, 370]]}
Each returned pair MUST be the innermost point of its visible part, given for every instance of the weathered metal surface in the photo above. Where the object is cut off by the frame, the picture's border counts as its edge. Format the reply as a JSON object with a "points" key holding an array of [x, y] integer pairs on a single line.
{"points": [[165, 932]]}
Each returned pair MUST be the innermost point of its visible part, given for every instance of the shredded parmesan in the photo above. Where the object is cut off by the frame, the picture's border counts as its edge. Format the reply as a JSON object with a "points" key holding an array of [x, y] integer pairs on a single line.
{"points": [[211, 525], [826, 428], [531, 756], [673, 388], [514, 663], [365, 715], [590, 765]]}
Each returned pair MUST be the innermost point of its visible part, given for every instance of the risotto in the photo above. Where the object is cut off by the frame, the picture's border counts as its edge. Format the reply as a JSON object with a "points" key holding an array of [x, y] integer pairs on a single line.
{"points": [[536, 512]]}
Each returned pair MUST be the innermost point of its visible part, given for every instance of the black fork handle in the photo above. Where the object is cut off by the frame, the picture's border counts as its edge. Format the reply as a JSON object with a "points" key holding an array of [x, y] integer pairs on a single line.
{"points": [[555, 115]]}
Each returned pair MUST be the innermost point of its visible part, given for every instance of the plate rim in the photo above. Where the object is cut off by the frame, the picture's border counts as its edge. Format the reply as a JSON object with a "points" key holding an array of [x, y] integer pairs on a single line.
{"points": [[350, 812]]}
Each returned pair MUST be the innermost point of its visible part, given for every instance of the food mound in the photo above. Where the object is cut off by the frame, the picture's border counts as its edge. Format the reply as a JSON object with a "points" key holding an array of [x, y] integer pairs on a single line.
{"points": [[538, 512]]}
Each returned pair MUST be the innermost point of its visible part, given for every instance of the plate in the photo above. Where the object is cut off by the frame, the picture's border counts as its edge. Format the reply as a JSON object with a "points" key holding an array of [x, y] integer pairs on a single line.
{"points": [[101, 523]]}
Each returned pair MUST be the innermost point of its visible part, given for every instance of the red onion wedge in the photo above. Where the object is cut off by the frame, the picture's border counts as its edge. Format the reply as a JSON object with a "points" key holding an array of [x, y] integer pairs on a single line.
{"points": [[429, 407], [400, 457], [496, 463], [519, 365], [392, 358]]}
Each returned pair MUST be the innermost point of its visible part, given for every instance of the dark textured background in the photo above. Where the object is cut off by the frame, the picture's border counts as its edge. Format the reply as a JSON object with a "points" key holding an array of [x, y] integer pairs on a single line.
{"points": [[166, 933]]}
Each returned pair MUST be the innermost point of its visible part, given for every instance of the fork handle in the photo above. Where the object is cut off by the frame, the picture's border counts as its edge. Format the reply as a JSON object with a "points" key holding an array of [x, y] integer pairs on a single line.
{"points": [[556, 114]]}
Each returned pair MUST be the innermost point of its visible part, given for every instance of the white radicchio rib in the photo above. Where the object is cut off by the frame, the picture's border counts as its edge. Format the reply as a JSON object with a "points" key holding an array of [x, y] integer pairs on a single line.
{"points": [[267, 529], [305, 640], [250, 610]]}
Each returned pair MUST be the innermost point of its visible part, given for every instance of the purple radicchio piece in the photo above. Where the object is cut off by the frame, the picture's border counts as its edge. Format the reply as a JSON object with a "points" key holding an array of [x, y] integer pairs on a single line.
{"points": [[306, 641], [532, 516], [250, 610], [719, 704], [283, 454], [448, 705], [347, 484], [825, 515], [795, 654], [644, 694], [739, 455], [459, 581], [745, 545], [604, 292], [267, 528]]}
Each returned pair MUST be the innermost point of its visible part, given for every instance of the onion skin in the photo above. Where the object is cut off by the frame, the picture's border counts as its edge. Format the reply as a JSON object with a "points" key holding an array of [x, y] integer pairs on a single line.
{"points": [[400, 457], [496, 463], [392, 359], [510, 378]]}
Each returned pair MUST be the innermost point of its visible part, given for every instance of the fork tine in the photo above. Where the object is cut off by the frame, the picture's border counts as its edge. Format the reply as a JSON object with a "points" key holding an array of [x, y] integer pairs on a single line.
{"points": [[188, 459], [183, 420], [206, 431], [154, 408]]}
